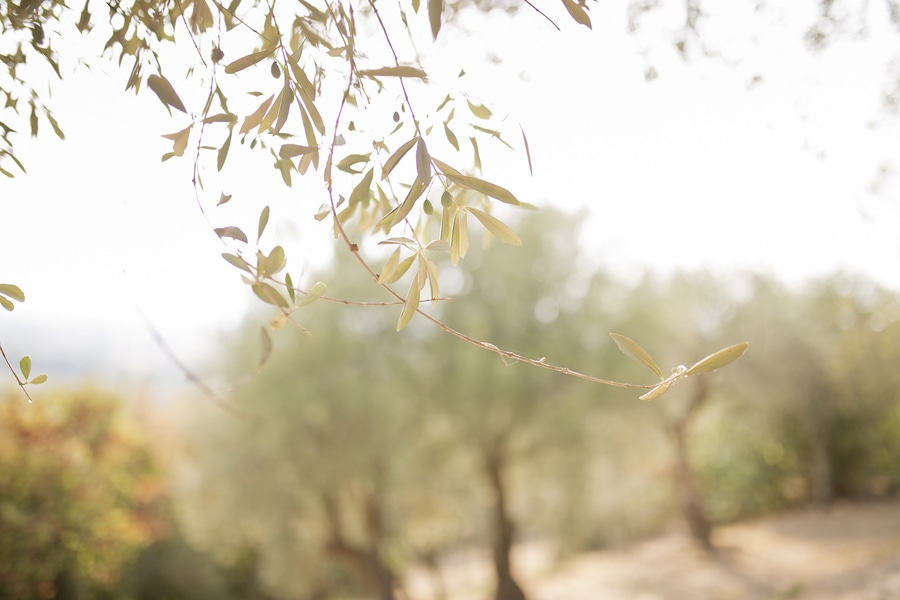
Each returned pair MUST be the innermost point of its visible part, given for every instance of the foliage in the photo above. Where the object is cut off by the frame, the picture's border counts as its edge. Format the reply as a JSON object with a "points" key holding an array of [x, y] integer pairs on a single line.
{"points": [[78, 494], [347, 99]]}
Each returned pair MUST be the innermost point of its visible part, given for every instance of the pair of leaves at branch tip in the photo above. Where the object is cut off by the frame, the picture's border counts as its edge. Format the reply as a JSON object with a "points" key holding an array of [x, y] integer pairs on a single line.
{"points": [[314, 293], [266, 266], [249, 60], [578, 12], [165, 92], [498, 228], [714, 361], [479, 185], [397, 71], [8, 290], [25, 367], [232, 232]]}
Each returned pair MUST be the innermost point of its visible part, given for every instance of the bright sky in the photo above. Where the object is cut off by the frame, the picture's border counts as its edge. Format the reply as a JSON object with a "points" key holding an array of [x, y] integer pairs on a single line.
{"points": [[700, 168]]}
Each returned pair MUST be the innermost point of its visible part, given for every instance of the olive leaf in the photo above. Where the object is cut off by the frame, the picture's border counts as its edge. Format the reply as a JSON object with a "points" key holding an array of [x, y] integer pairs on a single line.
{"points": [[633, 350]]}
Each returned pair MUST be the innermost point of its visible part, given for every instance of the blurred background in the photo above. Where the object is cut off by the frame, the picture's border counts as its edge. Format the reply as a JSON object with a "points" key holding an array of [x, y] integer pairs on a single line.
{"points": [[704, 178]]}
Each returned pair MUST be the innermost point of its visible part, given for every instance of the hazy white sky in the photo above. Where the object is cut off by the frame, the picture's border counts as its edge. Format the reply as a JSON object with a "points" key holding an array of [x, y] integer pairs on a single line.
{"points": [[703, 167]]}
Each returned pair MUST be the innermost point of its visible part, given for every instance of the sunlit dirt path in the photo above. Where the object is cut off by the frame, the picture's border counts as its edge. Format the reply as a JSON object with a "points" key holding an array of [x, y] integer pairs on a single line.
{"points": [[850, 552]]}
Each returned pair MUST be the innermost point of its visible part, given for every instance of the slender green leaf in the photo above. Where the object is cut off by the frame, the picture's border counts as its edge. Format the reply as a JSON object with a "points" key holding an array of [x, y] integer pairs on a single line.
{"points": [[249, 60], [221, 118], [363, 188], [25, 367], [289, 284], [237, 261], [657, 391], [231, 232], [254, 119], [39, 379], [415, 192], [13, 291], [272, 114], [165, 92], [435, 11], [410, 306], [399, 71], [632, 350], [179, 140], [451, 137], [292, 150], [313, 294], [423, 161], [269, 295], [7, 304], [578, 13], [348, 161], [223, 151], [263, 221], [479, 110], [717, 360], [392, 161], [390, 266], [479, 185], [497, 227]]}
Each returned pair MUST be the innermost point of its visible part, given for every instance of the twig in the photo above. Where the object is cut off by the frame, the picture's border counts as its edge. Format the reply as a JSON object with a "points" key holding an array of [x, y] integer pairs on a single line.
{"points": [[16, 375], [192, 377]]}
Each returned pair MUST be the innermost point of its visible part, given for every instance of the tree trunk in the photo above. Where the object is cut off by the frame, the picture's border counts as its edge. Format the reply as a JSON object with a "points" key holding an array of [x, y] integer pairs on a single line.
{"points": [[502, 526], [685, 480], [821, 474], [366, 562]]}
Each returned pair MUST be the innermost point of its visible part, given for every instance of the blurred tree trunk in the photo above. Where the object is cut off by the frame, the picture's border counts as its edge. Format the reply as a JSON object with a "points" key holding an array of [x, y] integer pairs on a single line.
{"points": [[503, 527], [689, 496], [821, 474], [366, 562]]}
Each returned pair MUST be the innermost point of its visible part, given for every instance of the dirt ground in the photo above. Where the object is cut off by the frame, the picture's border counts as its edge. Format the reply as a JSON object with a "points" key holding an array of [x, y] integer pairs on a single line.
{"points": [[850, 552]]}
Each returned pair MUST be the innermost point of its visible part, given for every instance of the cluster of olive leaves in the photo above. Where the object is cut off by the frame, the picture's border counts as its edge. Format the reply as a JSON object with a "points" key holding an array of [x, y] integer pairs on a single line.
{"points": [[395, 189]]}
